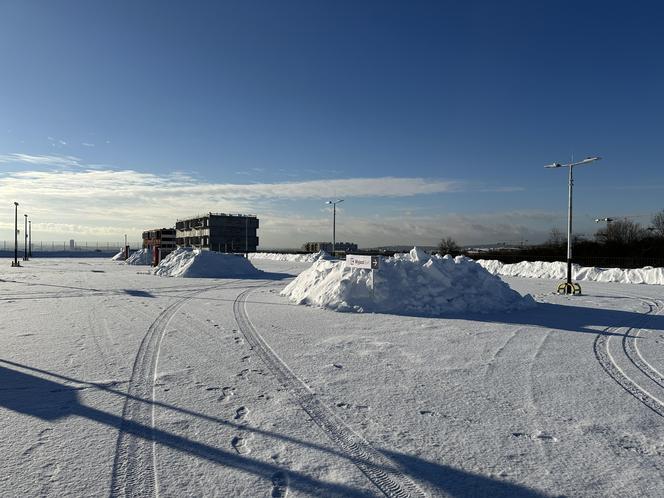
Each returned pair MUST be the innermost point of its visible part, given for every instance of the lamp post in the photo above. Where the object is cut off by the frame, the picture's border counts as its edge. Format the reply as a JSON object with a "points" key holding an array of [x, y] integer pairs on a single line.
{"points": [[29, 238], [568, 287], [15, 262], [246, 237], [608, 220], [25, 244], [334, 223]]}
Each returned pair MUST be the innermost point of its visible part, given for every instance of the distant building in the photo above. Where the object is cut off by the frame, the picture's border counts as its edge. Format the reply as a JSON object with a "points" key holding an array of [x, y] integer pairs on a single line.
{"points": [[327, 246], [218, 232], [163, 238]]}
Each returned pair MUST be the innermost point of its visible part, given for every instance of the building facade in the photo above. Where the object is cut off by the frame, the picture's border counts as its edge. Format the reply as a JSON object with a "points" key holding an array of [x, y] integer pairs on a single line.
{"points": [[163, 238], [218, 232]]}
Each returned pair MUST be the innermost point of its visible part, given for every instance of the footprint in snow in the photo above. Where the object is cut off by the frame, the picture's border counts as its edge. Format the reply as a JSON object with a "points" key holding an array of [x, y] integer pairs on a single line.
{"points": [[240, 413], [240, 445], [279, 484]]}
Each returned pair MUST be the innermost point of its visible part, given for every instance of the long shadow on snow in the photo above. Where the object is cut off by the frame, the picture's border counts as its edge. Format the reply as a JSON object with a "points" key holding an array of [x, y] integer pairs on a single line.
{"points": [[459, 483], [574, 318], [555, 316], [38, 397]]}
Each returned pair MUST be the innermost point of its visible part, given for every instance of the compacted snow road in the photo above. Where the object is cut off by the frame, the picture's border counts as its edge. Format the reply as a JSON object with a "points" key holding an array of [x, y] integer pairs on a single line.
{"points": [[114, 382]]}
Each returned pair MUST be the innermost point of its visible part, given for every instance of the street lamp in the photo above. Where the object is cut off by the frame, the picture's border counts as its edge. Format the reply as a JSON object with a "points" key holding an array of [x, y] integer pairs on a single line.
{"points": [[334, 223], [15, 262], [25, 244], [568, 287], [30, 238], [600, 220]]}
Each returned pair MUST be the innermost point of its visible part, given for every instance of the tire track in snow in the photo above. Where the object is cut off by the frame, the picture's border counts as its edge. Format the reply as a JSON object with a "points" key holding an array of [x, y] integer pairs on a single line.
{"points": [[632, 351], [134, 466], [612, 368], [381, 471]]}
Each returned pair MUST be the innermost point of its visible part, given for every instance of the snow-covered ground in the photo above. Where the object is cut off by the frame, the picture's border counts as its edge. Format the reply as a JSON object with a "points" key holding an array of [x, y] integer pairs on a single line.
{"points": [[114, 381]]}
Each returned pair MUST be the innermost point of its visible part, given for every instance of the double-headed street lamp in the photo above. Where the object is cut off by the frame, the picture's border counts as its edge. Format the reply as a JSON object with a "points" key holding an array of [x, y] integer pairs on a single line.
{"points": [[568, 287], [25, 245], [334, 223]]}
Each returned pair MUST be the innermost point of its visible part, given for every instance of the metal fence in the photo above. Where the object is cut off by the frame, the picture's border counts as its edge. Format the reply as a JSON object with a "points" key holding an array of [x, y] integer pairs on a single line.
{"points": [[52, 246]]}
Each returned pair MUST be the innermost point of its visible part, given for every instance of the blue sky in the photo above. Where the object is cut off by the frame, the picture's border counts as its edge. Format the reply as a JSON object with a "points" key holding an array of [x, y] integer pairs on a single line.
{"points": [[430, 118]]}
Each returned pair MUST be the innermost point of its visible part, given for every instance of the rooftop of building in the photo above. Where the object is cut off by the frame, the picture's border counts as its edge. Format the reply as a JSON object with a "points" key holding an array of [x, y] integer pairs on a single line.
{"points": [[210, 214]]}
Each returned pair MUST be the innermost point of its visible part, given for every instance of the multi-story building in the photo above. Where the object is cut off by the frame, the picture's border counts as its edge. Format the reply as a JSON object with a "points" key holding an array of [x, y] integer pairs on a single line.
{"points": [[327, 246], [159, 238], [218, 232]]}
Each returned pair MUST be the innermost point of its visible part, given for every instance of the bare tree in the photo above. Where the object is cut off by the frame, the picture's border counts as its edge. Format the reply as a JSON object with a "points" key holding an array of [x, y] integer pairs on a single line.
{"points": [[556, 238], [449, 246], [620, 232], [657, 223]]}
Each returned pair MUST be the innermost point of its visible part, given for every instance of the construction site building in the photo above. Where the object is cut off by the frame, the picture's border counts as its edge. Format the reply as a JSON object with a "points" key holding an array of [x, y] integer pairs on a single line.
{"points": [[163, 238], [218, 232]]}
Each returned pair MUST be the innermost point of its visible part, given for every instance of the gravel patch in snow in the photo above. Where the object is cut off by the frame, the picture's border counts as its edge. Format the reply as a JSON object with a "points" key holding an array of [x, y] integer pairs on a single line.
{"points": [[412, 283]]}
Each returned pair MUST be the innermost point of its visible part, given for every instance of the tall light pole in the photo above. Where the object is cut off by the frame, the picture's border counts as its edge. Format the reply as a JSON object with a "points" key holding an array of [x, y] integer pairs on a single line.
{"points": [[246, 236], [29, 238], [15, 262], [334, 223], [568, 287], [25, 244], [608, 220]]}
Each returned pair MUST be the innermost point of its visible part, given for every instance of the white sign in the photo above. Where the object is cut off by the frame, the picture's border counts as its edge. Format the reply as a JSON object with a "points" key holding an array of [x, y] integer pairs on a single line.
{"points": [[356, 261], [360, 261]]}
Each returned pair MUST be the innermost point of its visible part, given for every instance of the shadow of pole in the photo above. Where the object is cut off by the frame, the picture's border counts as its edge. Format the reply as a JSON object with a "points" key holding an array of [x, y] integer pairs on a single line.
{"points": [[48, 400]]}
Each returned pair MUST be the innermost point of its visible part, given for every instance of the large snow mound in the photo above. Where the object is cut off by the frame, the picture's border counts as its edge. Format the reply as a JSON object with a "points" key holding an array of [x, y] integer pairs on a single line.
{"points": [[558, 270], [119, 256], [194, 263], [412, 283], [140, 257], [295, 258]]}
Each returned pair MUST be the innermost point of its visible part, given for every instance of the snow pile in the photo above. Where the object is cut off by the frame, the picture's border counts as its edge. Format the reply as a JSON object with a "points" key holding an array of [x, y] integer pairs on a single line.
{"points": [[185, 262], [412, 283], [118, 257], [140, 257], [558, 270], [294, 258]]}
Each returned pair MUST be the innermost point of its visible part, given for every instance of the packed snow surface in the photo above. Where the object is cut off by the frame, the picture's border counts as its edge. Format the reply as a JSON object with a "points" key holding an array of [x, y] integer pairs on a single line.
{"points": [[558, 270], [412, 283], [295, 258], [119, 256], [140, 257], [184, 262], [113, 381]]}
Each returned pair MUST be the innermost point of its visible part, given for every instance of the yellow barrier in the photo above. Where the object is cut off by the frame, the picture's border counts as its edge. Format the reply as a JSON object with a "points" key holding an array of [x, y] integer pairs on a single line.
{"points": [[567, 288]]}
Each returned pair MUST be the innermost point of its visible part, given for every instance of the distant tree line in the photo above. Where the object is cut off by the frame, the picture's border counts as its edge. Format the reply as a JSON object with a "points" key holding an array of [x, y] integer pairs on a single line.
{"points": [[622, 240]]}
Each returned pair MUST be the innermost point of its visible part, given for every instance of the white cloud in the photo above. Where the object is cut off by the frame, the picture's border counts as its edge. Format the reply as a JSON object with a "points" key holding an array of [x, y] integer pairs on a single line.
{"points": [[102, 204], [41, 160]]}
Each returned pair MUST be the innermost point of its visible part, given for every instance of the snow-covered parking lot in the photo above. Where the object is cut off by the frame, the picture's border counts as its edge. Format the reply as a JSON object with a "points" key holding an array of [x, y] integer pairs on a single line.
{"points": [[117, 382]]}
